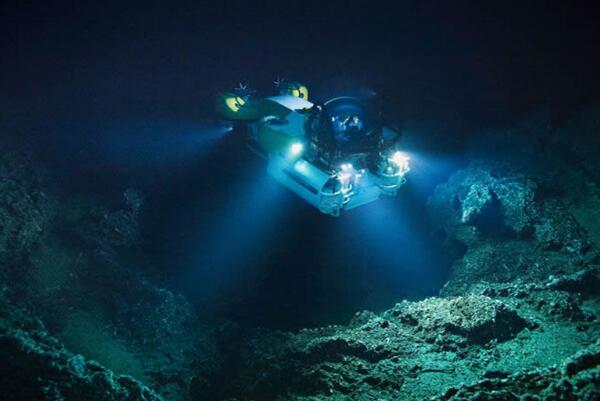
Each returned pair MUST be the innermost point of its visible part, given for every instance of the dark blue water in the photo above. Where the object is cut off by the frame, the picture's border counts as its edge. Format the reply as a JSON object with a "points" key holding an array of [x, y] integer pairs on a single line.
{"points": [[116, 97]]}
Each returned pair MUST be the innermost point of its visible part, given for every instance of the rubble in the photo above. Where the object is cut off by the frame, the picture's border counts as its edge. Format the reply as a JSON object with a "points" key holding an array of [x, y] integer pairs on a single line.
{"points": [[577, 379]]}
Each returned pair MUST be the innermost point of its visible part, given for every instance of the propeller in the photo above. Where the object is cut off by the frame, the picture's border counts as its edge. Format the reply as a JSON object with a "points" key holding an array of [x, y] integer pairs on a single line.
{"points": [[243, 90]]}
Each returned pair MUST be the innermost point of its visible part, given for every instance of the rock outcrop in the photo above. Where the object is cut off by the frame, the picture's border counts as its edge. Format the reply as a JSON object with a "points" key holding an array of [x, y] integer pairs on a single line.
{"points": [[418, 350], [577, 378], [36, 366], [77, 320], [26, 210]]}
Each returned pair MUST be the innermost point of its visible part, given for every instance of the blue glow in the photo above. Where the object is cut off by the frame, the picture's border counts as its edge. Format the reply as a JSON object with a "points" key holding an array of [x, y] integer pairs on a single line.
{"points": [[131, 152], [401, 160], [225, 251], [301, 166], [387, 240], [159, 144], [386, 243], [428, 170], [296, 149]]}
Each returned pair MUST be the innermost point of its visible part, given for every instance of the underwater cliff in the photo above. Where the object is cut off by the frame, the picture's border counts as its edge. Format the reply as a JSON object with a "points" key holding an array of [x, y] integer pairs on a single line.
{"points": [[85, 316]]}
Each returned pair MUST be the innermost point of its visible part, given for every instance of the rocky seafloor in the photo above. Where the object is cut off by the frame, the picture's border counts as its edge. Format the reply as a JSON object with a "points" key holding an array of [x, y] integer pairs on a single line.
{"points": [[518, 319]]}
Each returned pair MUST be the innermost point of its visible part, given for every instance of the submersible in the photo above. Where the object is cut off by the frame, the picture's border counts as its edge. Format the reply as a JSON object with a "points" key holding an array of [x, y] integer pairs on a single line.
{"points": [[336, 155]]}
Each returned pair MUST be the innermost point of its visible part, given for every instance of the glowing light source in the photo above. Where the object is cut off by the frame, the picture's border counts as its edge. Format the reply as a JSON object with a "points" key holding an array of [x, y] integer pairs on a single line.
{"points": [[301, 166], [400, 160], [296, 148], [346, 175]]}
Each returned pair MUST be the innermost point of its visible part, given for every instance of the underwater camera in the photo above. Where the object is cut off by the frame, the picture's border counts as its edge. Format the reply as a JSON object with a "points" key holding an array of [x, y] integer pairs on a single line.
{"points": [[336, 155]]}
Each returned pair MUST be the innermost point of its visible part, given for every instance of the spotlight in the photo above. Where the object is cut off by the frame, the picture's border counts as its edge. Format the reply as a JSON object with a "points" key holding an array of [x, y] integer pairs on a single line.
{"points": [[225, 126], [296, 148], [399, 159]]}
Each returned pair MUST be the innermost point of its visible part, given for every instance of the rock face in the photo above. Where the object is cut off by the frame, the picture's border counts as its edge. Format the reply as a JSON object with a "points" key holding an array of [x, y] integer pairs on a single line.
{"points": [[418, 350], [36, 366], [76, 321], [507, 226], [578, 378], [26, 210], [479, 319], [478, 196]]}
